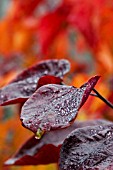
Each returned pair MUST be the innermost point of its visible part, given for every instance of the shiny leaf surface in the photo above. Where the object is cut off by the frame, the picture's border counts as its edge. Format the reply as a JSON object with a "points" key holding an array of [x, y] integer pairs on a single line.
{"points": [[55, 106], [88, 148], [25, 83], [46, 150]]}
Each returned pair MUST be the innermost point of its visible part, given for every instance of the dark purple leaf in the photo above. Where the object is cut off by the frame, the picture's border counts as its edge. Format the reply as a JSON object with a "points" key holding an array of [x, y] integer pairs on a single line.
{"points": [[53, 67], [46, 150], [24, 85], [88, 148], [54, 106], [88, 87]]}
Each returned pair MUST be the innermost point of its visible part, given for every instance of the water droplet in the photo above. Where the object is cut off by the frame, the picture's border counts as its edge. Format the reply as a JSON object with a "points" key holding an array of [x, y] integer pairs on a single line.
{"points": [[100, 127], [39, 134], [45, 72], [36, 137], [35, 80], [2, 96], [109, 134], [26, 88], [30, 121], [29, 80]]}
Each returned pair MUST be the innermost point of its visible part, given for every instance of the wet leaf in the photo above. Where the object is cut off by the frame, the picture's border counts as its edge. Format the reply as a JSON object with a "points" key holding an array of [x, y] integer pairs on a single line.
{"points": [[46, 150], [24, 85], [47, 67], [88, 148], [55, 106]]}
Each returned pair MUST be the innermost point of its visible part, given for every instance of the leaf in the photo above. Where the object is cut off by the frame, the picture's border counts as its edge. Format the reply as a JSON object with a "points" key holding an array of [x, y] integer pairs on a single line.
{"points": [[88, 148], [81, 17], [24, 8], [90, 84], [51, 24], [54, 106], [24, 85], [47, 67], [46, 150], [49, 80]]}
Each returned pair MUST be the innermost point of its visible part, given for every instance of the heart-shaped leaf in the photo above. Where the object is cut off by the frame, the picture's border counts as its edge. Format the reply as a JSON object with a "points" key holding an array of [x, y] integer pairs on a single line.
{"points": [[46, 150], [24, 85], [54, 106], [88, 148]]}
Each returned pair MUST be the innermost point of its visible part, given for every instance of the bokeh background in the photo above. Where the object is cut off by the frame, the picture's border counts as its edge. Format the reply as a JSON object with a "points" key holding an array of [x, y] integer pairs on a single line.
{"points": [[33, 30]]}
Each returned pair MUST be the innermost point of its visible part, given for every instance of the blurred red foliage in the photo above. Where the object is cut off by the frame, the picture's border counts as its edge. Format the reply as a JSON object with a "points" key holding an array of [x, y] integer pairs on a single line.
{"points": [[34, 30]]}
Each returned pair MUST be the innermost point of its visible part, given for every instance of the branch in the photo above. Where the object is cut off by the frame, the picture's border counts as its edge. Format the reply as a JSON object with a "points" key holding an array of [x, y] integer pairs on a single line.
{"points": [[97, 94]]}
